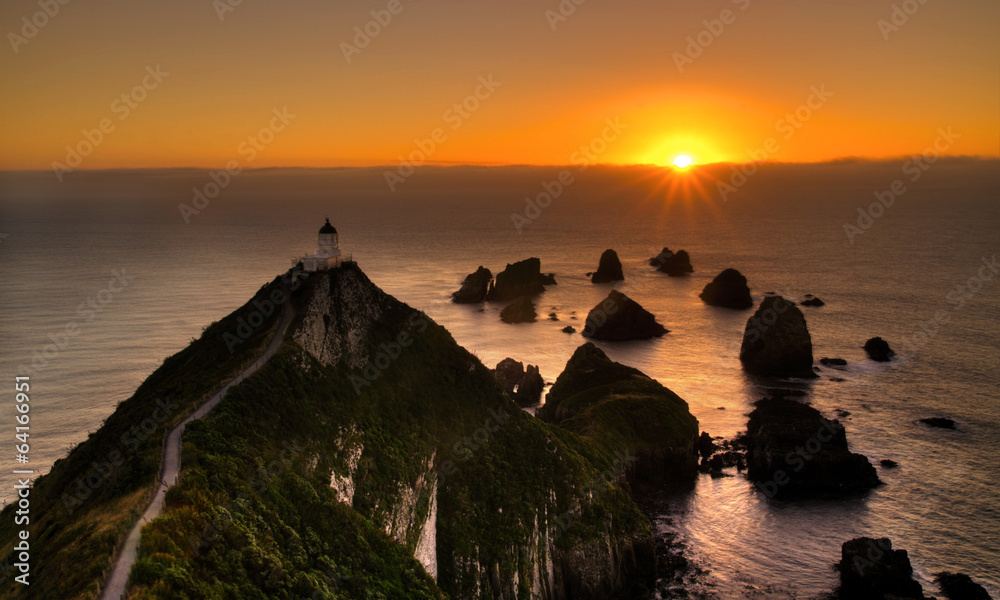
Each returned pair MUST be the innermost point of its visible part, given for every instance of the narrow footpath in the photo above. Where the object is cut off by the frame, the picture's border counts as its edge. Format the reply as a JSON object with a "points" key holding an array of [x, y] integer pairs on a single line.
{"points": [[171, 465]]}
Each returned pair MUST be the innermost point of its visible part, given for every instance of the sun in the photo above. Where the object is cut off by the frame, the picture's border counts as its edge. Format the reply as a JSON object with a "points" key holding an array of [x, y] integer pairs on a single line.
{"points": [[682, 161]]}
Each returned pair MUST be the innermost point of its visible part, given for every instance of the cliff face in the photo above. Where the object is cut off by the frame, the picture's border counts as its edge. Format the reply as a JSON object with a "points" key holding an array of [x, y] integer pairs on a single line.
{"points": [[406, 452], [339, 316], [506, 548]]}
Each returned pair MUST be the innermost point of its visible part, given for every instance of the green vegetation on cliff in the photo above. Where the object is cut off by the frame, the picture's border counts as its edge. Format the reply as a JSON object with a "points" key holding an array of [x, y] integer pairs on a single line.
{"points": [[371, 450], [82, 509], [623, 410]]}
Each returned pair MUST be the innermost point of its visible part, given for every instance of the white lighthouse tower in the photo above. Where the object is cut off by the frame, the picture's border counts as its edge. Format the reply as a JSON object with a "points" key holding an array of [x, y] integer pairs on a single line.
{"points": [[327, 254], [328, 242]]}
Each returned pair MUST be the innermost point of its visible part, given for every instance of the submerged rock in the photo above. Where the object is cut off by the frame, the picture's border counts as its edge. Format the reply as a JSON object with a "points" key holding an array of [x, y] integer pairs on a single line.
{"points": [[776, 342], [833, 362], [624, 410], [474, 288], [522, 278], [879, 350], [728, 289], [888, 463], [793, 450], [521, 310], [939, 422], [609, 269], [812, 301], [675, 265], [619, 318], [871, 570], [569, 329], [959, 586]]}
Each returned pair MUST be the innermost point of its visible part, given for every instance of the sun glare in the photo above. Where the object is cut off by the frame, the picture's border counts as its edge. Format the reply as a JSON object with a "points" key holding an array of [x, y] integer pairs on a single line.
{"points": [[682, 161]]}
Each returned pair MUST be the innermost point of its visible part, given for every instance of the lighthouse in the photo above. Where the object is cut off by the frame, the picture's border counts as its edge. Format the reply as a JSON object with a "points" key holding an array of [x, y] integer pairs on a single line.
{"points": [[327, 254], [328, 242]]}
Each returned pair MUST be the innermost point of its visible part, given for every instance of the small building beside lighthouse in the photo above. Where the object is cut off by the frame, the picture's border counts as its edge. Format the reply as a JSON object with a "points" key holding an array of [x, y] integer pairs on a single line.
{"points": [[327, 254]]}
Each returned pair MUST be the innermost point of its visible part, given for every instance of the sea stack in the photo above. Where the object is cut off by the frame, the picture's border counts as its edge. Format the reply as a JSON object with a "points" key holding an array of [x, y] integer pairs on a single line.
{"points": [[522, 278], [792, 450], [523, 384], [619, 318], [729, 289], [474, 288], [776, 342], [609, 269], [675, 265], [871, 570]]}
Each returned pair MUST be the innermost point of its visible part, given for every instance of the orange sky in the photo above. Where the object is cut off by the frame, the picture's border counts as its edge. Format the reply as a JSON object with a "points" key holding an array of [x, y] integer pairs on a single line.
{"points": [[887, 89]]}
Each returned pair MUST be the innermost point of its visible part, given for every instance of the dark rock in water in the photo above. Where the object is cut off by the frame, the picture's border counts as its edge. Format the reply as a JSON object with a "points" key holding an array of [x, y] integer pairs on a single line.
{"points": [[522, 278], [509, 372], [664, 254], [776, 342], [871, 570], [474, 288], [833, 362], [705, 445], [524, 385], [609, 269], [939, 422], [529, 390], [843, 414], [888, 463], [729, 458], [959, 586], [621, 408], [521, 310], [548, 279], [569, 329], [619, 318], [675, 265], [878, 349], [553, 317], [728, 289], [812, 301], [792, 450]]}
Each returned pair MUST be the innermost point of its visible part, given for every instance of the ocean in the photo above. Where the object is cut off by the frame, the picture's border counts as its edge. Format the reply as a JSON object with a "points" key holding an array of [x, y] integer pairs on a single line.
{"points": [[103, 277]]}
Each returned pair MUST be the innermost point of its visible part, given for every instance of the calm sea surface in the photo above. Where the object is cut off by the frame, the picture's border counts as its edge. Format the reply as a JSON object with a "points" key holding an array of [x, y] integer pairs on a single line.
{"points": [[784, 230]]}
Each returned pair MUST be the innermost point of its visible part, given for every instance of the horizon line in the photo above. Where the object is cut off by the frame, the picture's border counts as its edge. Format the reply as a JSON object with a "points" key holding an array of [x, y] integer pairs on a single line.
{"points": [[494, 165]]}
